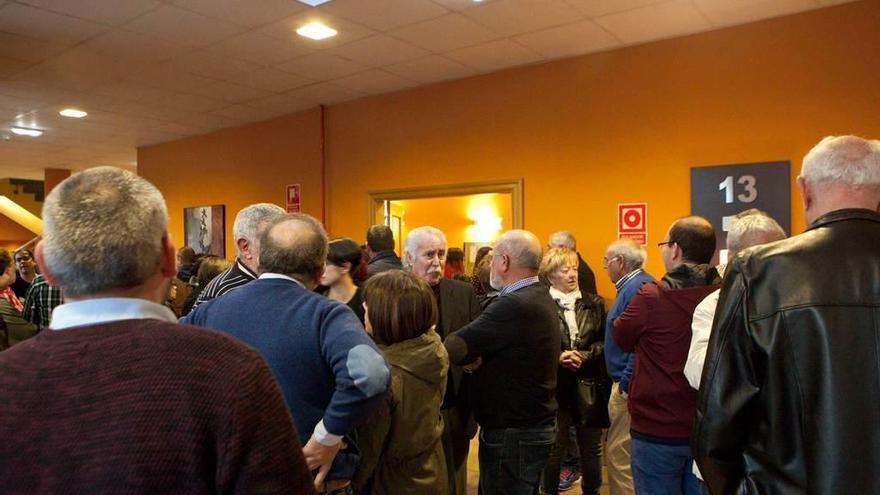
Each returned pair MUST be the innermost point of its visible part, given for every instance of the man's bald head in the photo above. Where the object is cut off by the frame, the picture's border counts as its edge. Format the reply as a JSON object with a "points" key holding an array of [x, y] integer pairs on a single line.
{"points": [[294, 245], [840, 172], [523, 248]]}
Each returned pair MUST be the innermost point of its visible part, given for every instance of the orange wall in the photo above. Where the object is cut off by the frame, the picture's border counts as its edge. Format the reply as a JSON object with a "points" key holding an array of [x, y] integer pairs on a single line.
{"points": [[452, 215], [13, 235], [584, 133], [238, 167]]}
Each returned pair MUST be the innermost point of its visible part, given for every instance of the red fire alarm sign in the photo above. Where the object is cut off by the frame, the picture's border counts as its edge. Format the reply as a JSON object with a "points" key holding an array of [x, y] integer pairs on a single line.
{"points": [[632, 222]]}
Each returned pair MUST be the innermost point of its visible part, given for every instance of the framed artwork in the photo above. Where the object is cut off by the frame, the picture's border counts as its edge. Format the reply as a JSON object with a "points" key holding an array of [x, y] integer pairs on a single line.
{"points": [[204, 229]]}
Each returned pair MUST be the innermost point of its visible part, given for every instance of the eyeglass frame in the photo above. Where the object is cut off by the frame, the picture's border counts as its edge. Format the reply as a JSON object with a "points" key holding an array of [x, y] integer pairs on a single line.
{"points": [[665, 243]]}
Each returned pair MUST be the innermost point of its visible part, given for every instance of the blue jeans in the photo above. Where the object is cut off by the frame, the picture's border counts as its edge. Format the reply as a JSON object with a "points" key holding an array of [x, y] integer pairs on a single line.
{"points": [[512, 459], [660, 469]]}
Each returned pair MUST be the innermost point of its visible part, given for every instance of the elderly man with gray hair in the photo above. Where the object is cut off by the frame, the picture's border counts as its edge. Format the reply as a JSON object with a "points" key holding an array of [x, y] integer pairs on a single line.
{"points": [[516, 340], [788, 396], [331, 373], [424, 254], [116, 397], [250, 223], [623, 261]]}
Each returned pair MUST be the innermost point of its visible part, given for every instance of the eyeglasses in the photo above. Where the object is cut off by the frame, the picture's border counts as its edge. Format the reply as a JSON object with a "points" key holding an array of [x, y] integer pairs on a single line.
{"points": [[607, 260], [22, 258], [665, 243]]}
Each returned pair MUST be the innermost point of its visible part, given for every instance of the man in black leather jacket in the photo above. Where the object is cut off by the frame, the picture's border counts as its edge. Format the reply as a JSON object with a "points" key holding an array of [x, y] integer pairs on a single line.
{"points": [[791, 385]]}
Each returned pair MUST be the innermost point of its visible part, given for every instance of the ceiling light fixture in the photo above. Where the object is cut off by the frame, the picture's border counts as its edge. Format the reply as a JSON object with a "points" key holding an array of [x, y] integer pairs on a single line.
{"points": [[313, 3], [24, 131], [316, 31], [73, 113]]}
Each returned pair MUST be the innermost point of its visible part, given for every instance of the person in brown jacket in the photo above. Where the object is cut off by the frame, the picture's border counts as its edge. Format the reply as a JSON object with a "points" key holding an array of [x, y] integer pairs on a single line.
{"points": [[401, 450]]}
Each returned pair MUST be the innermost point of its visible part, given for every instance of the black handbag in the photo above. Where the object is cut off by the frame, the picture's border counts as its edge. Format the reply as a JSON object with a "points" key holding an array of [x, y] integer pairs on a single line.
{"points": [[591, 405]]}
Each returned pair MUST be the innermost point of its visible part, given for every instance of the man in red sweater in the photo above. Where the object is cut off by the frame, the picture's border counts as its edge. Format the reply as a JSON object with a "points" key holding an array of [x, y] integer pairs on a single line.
{"points": [[116, 397], [657, 327]]}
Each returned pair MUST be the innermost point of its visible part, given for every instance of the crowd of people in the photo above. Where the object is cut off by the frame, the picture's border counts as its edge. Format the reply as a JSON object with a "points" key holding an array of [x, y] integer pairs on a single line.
{"points": [[310, 365]]}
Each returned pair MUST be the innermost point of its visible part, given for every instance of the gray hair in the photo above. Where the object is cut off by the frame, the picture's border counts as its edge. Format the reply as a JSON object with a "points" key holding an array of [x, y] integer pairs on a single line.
{"points": [[295, 245], [751, 230], [843, 159], [633, 253], [522, 246], [103, 229], [248, 221], [415, 238], [564, 239]]}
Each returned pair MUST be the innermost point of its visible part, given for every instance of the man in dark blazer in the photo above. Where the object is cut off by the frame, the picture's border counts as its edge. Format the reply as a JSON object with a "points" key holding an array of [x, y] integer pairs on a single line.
{"points": [[380, 246], [424, 254]]}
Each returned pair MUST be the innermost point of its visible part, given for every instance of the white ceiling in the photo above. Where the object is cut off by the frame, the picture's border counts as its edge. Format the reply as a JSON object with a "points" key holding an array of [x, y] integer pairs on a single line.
{"points": [[150, 71]]}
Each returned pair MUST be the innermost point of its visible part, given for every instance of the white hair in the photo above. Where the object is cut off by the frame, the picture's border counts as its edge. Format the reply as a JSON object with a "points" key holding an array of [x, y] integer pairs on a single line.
{"points": [[103, 229], [249, 219], [522, 246], [633, 253], [751, 230], [562, 238], [415, 238], [843, 159]]}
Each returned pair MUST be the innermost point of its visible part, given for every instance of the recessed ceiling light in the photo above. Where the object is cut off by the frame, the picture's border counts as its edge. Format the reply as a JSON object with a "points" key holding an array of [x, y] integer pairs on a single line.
{"points": [[74, 113], [316, 31], [24, 131], [313, 3]]}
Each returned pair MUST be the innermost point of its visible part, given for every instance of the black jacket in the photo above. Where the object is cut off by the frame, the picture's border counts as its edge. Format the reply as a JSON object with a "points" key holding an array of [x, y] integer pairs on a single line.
{"points": [[790, 395], [382, 262], [590, 342], [586, 278]]}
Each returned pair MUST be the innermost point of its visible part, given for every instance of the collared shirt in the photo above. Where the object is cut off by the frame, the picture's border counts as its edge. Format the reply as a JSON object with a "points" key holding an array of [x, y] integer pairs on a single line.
{"points": [[626, 278], [283, 277], [107, 309], [519, 284], [41, 299], [232, 278]]}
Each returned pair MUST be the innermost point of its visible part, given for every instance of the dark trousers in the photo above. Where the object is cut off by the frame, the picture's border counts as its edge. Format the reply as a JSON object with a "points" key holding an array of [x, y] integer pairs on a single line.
{"points": [[512, 459], [589, 442], [660, 469], [456, 443]]}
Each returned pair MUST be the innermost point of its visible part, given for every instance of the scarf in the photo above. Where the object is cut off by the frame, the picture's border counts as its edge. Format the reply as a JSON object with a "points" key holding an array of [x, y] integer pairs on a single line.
{"points": [[567, 302], [12, 298]]}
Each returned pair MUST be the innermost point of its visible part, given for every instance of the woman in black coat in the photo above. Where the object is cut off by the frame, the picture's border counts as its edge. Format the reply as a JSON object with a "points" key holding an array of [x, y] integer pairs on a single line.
{"points": [[582, 380]]}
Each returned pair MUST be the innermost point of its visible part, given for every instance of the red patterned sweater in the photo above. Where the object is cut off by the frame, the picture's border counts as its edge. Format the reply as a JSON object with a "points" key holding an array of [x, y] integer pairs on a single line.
{"points": [[143, 406]]}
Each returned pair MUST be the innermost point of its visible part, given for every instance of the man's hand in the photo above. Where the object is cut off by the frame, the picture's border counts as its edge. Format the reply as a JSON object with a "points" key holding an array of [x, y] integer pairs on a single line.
{"points": [[319, 456], [571, 360], [473, 366]]}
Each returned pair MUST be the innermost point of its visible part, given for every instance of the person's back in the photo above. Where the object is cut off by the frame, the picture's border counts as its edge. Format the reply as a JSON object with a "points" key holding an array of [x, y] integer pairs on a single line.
{"points": [[141, 406], [815, 325]]}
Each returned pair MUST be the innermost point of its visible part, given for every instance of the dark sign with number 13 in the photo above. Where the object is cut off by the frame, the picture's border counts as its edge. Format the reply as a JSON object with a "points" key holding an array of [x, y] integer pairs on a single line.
{"points": [[720, 192]]}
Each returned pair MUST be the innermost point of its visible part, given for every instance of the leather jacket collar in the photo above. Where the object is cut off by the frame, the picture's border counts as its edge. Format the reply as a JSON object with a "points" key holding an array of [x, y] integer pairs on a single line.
{"points": [[845, 214]]}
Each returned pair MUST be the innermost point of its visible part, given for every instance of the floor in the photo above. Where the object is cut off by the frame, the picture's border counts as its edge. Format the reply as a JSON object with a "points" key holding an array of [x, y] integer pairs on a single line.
{"points": [[474, 473]]}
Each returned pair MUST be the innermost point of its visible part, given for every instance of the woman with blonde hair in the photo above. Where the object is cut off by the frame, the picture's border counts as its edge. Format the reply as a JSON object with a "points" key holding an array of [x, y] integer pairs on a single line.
{"points": [[401, 450], [582, 384]]}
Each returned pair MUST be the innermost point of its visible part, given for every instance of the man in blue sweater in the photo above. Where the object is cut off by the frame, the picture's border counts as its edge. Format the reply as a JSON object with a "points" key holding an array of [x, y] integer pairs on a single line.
{"points": [[331, 374], [623, 261]]}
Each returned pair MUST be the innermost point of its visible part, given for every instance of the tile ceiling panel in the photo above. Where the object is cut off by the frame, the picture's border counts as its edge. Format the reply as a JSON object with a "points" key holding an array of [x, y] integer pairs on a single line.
{"points": [[659, 21], [322, 66], [445, 33], [379, 50], [243, 12], [384, 15], [182, 26], [47, 26], [569, 40], [511, 17], [149, 71], [111, 12]]}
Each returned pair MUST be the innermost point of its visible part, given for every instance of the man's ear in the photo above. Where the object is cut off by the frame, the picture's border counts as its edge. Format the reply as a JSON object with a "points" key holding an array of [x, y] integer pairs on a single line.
{"points": [[168, 261], [41, 262], [244, 247], [676, 252], [806, 192]]}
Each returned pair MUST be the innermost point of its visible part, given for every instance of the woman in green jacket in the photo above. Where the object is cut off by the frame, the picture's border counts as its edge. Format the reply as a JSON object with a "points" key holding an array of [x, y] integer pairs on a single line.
{"points": [[400, 446]]}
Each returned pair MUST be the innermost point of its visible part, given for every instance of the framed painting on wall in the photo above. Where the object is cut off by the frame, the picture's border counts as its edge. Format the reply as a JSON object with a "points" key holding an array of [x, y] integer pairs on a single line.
{"points": [[204, 229]]}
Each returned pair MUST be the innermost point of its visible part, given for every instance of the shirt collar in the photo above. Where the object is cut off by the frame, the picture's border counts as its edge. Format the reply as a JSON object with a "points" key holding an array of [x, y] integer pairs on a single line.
{"points": [[106, 310], [244, 268], [519, 284], [626, 278], [266, 276]]}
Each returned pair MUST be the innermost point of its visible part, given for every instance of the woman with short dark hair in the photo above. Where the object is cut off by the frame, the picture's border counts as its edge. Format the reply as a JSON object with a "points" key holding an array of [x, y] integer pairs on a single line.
{"points": [[401, 451], [343, 273]]}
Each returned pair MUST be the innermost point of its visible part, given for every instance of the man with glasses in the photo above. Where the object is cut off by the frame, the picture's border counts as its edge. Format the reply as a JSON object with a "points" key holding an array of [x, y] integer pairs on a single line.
{"points": [[27, 272], [623, 262], [656, 325]]}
